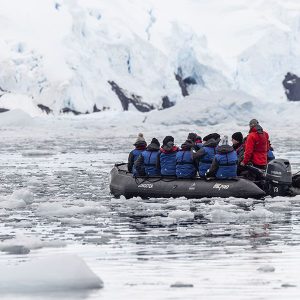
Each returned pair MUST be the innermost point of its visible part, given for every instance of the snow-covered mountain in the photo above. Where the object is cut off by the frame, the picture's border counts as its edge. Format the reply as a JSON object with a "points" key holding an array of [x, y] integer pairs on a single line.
{"points": [[89, 55]]}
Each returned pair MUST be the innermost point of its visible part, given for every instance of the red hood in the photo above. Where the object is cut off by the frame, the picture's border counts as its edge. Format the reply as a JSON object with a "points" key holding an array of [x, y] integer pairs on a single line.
{"points": [[257, 129], [174, 149]]}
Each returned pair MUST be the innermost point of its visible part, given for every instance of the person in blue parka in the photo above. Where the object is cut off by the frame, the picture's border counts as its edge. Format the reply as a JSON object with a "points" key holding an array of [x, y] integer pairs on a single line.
{"points": [[185, 166], [140, 145], [204, 157], [198, 143], [224, 165], [166, 159], [146, 162], [270, 154], [196, 139]]}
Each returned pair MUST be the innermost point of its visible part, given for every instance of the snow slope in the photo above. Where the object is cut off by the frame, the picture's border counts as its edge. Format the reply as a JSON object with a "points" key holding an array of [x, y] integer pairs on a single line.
{"points": [[63, 53]]}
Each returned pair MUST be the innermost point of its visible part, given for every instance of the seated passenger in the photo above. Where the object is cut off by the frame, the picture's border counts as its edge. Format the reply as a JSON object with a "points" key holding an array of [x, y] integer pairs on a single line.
{"points": [[238, 144], [237, 140], [166, 159], [270, 154], [198, 143], [185, 167], [146, 162], [140, 145], [192, 137], [206, 154], [196, 139], [224, 165]]}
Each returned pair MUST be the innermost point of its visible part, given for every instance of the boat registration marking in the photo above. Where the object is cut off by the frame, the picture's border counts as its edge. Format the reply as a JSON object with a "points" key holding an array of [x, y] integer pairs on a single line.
{"points": [[146, 185], [220, 186]]}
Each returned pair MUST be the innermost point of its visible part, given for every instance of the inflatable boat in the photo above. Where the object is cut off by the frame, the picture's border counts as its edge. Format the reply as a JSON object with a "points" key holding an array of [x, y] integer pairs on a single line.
{"points": [[277, 181]]}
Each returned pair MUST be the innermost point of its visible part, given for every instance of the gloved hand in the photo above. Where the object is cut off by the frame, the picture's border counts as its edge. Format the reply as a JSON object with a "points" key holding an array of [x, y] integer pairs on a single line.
{"points": [[208, 176]]}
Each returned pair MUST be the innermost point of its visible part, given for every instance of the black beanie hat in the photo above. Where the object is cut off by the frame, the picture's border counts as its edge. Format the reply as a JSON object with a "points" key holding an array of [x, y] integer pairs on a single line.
{"points": [[238, 136], [167, 139], [155, 141], [214, 136], [192, 136], [199, 138]]}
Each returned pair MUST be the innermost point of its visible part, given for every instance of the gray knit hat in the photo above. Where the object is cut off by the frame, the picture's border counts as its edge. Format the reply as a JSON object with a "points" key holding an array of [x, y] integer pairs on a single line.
{"points": [[140, 139], [253, 123]]}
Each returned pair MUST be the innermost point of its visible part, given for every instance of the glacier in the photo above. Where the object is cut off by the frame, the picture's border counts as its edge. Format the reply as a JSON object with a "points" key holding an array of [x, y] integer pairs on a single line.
{"points": [[61, 56]]}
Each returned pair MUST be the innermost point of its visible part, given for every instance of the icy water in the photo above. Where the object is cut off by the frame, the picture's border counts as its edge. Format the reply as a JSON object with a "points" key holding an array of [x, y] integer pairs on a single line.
{"points": [[55, 199]]}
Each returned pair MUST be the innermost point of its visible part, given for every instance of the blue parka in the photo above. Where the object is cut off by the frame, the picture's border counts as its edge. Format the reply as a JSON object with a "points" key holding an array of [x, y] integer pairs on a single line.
{"points": [[166, 160], [224, 165], [146, 162], [185, 167], [206, 155], [133, 156]]}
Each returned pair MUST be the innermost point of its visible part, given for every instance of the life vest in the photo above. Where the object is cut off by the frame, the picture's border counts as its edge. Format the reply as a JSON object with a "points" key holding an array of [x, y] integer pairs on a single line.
{"points": [[206, 160], [198, 146], [227, 165], [168, 163], [184, 164], [150, 158], [136, 153], [270, 155]]}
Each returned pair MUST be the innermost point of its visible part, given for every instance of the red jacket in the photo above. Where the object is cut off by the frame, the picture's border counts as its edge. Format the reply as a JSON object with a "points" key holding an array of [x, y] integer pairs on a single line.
{"points": [[256, 148]]}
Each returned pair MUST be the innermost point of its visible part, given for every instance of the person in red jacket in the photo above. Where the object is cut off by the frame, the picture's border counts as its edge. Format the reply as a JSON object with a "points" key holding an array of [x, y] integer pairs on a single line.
{"points": [[256, 147]]}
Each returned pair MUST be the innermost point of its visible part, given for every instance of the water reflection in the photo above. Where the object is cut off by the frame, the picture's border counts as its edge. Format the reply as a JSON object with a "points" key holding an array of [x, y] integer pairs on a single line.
{"points": [[142, 248]]}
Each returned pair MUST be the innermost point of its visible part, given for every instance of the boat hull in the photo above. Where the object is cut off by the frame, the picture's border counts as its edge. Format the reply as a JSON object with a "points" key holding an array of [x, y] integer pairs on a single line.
{"points": [[123, 183]]}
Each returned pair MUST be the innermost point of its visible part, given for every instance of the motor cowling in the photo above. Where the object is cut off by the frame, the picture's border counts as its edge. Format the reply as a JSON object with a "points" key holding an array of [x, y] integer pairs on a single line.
{"points": [[278, 177]]}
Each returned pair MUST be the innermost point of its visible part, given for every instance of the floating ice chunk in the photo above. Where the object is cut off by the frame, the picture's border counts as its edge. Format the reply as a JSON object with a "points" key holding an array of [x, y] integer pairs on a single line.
{"points": [[7, 203], [17, 249], [24, 195], [159, 221], [18, 199], [58, 210], [266, 269], [49, 274], [260, 213], [181, 215], [220, 216], [20, 243]]}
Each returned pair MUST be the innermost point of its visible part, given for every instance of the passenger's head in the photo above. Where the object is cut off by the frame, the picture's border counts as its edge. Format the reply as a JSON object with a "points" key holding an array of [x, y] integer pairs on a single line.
{"points": [[237, 138], [140, 140], [192, 136], [253, 123], [214, 136], [155, 141], [168, 139], [198, 139], [224, 141], [187, 145]]}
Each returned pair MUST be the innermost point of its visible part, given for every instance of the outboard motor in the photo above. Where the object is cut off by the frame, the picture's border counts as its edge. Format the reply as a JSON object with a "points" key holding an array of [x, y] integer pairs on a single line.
{"points": [[278, 178]]}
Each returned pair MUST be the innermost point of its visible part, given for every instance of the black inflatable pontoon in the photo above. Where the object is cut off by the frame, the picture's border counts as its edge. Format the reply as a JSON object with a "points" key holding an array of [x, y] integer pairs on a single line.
{"points": [[277, 180], [123, 183]]}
